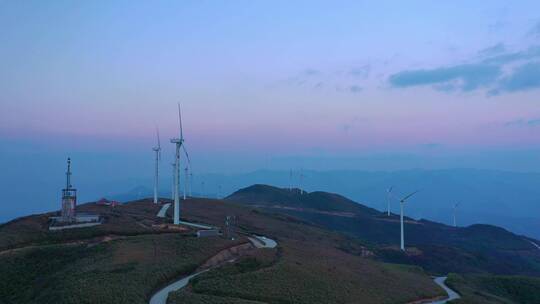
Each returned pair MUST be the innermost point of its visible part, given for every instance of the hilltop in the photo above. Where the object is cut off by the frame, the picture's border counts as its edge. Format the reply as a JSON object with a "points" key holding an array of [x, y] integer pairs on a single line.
{"points": [[296, 199], [437, 247], [134, 253]]}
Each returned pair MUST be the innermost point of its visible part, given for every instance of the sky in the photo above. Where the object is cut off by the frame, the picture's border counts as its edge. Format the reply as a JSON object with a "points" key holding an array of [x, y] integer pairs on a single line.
{"points": [[324, 85]]}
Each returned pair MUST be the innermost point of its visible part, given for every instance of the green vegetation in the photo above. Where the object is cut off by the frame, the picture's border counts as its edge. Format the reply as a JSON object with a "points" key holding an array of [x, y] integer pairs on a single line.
{"points": [[480, 289], [307, 274], [130, 219], [438, 248], [195, 298], [133, 257], [120, 271]]}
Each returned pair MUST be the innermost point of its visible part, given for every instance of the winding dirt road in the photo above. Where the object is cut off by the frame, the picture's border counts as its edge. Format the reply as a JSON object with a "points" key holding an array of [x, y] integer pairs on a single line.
{"points": [[161, 296], [452, 295]]}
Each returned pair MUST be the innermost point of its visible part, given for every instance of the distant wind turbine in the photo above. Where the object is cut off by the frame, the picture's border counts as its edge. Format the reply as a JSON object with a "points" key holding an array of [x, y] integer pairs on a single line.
{"points": [[157, 150], [301, 181], [455, 208], [290, 180], [187, 169], [202, 189], [388, 198], [402, 202]]}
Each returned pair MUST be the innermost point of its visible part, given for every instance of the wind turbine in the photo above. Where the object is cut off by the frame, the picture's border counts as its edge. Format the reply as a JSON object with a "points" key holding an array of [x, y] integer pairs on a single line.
{"points": [[301, 181], [455, 207], [290, 180], [179, 142], [157, 149], [187, 169], [388, 197], [402, 202], [202, 189]]}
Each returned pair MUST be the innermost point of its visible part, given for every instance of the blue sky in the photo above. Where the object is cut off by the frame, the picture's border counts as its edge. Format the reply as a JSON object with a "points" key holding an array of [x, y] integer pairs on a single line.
{"points": [[371, 78], [324, 85]]}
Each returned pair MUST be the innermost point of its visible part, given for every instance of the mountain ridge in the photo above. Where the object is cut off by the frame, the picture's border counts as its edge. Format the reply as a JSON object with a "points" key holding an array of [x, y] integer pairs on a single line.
{"points": [[489, 245]]}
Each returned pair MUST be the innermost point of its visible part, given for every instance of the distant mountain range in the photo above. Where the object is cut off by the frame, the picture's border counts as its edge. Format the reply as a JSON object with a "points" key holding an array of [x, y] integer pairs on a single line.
{"points": [[507, 199]]}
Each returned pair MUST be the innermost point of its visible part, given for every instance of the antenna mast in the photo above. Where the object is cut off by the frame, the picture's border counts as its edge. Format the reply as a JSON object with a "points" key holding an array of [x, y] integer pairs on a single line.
{"points": [[69, 197], [68, 174]]}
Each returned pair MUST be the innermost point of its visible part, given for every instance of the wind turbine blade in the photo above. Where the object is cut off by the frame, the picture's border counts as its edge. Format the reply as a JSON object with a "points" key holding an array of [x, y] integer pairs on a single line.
{"points": [[187, 155], [408, 196], [389, 190], [158, 141], [180, 122]]}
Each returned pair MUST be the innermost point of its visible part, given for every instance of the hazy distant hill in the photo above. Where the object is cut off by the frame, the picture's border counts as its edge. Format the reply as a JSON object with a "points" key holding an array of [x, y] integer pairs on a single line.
{"points": [[295, 198], [442, 248], [507, 199]]}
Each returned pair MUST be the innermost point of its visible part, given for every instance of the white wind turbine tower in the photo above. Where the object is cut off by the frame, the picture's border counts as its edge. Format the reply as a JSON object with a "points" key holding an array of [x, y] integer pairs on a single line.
{"points": [[179, 142], [186, 181], [402, 202], [455, 207], [157, 149], [388, 198], [190, 182], [173, 180]]}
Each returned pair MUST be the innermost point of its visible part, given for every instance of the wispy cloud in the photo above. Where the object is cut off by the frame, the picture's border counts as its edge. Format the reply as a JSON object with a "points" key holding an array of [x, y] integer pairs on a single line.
{"points": [[311, 72], [522, 122], [509, 57], [497, 71], [524, 77], [535, 30], [493, 50], [466, 77], [362, 71], [355, 89], [348, 80], [350, 124]]}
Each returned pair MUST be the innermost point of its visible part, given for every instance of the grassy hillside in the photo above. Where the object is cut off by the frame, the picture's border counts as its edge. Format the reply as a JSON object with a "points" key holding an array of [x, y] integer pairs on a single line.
{"points": [[120, 271], [303, 274], [437, 247], [264, 195], [311, 265], [480, 289], [130, 219], [127, 258]]}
